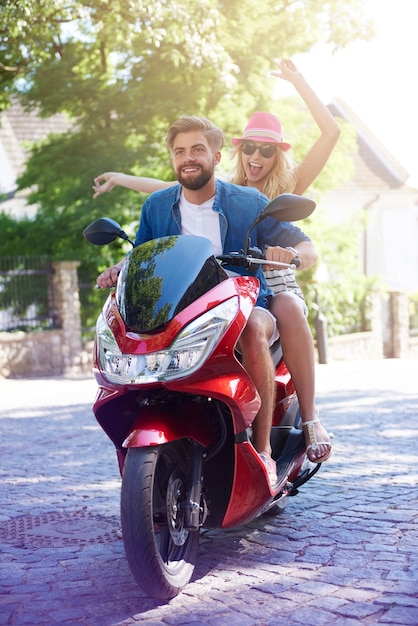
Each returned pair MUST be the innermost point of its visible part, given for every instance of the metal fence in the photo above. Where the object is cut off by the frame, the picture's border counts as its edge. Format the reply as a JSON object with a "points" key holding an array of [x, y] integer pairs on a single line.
{"points": [[26, 294], [91, 301]]}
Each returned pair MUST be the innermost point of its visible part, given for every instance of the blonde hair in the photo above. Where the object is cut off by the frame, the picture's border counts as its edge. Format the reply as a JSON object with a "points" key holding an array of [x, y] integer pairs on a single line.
{"points": [[189, 123], [282, 178]]}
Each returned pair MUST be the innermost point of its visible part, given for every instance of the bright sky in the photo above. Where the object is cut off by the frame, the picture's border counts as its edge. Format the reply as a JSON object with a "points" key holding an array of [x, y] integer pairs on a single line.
{"points": [[377, 80]]}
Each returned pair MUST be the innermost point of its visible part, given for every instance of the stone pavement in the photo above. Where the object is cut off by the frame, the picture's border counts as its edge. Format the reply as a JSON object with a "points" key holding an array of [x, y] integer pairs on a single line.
{"points": [[344, 552]]}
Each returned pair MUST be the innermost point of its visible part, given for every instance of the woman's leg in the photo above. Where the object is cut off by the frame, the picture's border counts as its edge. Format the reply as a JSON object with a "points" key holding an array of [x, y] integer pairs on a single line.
{"points": [[298, 352]]}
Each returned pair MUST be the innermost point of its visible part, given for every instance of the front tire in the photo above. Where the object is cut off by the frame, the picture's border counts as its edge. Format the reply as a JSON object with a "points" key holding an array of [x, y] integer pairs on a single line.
{"points": [[161, 552]]}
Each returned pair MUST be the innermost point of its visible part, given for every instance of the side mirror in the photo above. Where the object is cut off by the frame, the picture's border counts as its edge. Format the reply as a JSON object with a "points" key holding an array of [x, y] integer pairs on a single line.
{"points": [[287, 207], [103, 231]]}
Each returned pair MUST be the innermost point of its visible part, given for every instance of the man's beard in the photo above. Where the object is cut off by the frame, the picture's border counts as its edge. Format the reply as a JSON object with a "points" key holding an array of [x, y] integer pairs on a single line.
{"points": [[195, 181]]}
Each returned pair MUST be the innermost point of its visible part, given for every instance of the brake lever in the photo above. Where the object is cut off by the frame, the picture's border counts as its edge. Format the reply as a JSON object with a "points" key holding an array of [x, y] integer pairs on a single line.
{"points": [[257, 254], [279, 264], [238, 258]]}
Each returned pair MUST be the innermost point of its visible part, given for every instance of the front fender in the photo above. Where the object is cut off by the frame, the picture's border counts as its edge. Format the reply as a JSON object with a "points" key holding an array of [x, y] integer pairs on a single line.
{"points": [[156, 425]]}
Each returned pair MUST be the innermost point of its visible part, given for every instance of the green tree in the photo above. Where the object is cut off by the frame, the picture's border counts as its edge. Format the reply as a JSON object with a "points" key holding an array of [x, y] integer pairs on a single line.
{"points": [[337, 285], [122, 70]]}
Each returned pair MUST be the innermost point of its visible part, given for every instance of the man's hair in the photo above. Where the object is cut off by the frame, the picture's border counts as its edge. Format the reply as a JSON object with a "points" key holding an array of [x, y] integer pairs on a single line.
{"points": [[188, 123]]}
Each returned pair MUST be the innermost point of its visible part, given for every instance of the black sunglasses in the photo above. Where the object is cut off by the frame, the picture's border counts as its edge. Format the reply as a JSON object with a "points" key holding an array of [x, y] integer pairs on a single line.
{"points": [[266, 150]]}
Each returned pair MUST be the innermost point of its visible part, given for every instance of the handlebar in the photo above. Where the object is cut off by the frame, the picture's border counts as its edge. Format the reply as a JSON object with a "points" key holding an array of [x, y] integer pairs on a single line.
{"points": [[247, 261]]}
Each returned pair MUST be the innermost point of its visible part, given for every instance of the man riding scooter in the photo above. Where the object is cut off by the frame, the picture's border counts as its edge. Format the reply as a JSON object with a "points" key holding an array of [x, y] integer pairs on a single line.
{"points": [[222, 212]]}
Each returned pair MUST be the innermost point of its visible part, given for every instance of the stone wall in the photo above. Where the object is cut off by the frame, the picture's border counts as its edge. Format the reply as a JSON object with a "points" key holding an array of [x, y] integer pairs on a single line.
{"points": [[61, 352], [50, 352], [359, 346], [45, 353], [355, 347], [389, 336], [396, 342]]}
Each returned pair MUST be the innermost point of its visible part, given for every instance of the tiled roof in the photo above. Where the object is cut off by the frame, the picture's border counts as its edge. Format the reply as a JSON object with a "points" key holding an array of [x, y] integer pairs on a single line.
{"points": [[19, 127], [375, 168]]}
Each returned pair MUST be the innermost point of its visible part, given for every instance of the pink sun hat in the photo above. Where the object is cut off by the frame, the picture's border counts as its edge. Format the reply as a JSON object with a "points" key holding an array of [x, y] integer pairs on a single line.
{"points": [[263, 127]]}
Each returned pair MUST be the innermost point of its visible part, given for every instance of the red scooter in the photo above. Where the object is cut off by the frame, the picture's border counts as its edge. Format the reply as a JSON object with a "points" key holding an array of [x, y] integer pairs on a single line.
{"points": [[178, 405]]}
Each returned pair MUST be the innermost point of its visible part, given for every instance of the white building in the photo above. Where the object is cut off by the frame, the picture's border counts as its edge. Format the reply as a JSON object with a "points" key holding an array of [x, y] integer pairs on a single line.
{"points": [[18, 129], [390, 244]]}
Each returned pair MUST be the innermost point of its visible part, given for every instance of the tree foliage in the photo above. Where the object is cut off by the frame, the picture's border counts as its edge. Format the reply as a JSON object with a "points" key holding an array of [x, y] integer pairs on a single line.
{"points": [[337, 286], [123, 70]]}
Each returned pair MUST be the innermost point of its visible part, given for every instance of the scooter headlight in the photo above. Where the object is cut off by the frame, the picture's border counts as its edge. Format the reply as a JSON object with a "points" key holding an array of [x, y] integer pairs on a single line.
{"points": [[186, 354]]}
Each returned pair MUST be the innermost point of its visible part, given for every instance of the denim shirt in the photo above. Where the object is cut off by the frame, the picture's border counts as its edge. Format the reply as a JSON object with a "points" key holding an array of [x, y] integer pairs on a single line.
{"points": [[237, 207]]}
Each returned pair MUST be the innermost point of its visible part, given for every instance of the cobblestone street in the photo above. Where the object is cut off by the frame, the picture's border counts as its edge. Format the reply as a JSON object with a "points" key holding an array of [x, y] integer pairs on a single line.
{"points": [[344, 551]]}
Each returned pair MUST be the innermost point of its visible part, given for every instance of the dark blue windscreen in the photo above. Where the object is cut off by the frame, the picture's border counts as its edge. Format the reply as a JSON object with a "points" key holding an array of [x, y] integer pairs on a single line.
{"points": [[163, 276]]}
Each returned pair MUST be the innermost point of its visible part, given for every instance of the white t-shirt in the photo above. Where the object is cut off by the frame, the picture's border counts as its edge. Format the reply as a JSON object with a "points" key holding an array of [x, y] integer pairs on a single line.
{"points": [[200, 219]]}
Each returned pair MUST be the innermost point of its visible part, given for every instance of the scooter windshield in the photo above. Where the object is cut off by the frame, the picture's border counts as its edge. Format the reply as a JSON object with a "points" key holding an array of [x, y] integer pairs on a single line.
{"points": [[162, 277]]}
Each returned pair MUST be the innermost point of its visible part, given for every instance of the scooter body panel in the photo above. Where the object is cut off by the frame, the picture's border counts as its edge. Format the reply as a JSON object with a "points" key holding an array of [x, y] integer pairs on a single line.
{"points": [[250, 490], [156, 426]]}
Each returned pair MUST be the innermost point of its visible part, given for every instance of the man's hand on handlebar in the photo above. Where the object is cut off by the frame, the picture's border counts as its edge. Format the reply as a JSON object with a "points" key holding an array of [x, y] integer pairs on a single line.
{"points": [[283, 255], [109, 277]]}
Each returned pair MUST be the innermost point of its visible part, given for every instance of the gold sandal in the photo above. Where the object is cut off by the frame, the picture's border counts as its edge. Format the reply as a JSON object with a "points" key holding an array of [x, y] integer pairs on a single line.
{"points": [[310, 436]]}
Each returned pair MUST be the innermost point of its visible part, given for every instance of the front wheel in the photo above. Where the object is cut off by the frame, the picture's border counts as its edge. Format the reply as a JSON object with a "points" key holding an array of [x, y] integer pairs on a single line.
{"points": [[161, 552]]}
